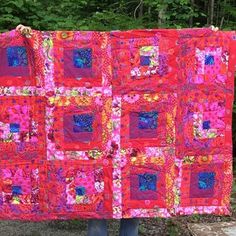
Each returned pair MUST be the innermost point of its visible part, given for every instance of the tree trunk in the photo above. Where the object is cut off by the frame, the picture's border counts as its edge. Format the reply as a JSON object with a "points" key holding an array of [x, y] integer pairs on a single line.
{"points": [[191, 17], [211, 15], [161, 15], [141, 10]]}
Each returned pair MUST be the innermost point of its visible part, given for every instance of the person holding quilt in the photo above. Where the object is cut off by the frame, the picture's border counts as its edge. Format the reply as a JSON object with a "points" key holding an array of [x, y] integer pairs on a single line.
{"points": [[96, 227]]}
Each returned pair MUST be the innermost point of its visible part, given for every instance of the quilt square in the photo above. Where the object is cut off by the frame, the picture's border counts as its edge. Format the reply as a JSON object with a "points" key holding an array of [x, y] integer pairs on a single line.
{"points": [[21, 60], [204, 180], [80, 126], [21, 189], [205, 60], [22, 128], [143, 62], [212, 64], [204, 117], [146, 175], [81, 59], [144, 117], [80, 187]]}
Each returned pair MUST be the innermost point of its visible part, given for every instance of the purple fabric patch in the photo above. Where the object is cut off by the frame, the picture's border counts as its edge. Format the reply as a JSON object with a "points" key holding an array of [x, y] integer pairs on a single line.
{"points": [[147, 120], [7, 69], [69, 67], [196, 191], [206, 180], [147, 182], [163, 66], [206, 124], [83, 123], [70, 135], [145, 60], [16, 190], [14, 128], [82, 58], [17, 56], [80, 191], [136, 193], [135, 131], [209, 60]]}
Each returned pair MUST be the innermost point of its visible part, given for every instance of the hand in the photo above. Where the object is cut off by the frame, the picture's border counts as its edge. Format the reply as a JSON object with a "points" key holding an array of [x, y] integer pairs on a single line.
{"points": [[213, 28], [24, 30]]}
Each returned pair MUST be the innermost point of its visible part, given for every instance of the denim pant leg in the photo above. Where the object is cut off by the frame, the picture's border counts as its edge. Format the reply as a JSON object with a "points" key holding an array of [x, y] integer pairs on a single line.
{"points": [[97, 227], [129, 227]]}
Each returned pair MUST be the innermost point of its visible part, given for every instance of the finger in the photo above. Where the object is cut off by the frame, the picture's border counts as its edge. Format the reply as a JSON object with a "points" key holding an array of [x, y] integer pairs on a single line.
{"points": [[27, 31], [19, 27], [213, 28], [29, 35]]}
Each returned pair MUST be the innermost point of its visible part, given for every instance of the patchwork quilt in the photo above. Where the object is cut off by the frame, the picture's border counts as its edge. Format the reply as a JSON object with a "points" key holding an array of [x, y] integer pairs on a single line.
{"points": [[116, 124]]}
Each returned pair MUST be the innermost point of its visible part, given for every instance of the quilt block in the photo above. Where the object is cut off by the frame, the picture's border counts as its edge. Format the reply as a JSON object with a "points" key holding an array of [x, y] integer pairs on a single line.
{"points": [[79, 188], [116, 124], [80, 58], [21, 62], [22, 125], [144, 62]]}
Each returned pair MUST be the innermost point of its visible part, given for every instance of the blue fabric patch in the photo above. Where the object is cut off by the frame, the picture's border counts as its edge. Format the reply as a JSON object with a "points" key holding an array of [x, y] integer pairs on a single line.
{"points": [[83, 123], [145, 60], [16, 190], [80, 191], [82, 58], [147, 120], [147, 182], [209, 60], [17, 56], [206, 124], [206, 180], [14, 128]]}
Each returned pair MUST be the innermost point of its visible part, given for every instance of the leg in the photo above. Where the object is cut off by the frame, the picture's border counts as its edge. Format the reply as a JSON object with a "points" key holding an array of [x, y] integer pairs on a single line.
{"points": [[129, 227], [97, 228]]}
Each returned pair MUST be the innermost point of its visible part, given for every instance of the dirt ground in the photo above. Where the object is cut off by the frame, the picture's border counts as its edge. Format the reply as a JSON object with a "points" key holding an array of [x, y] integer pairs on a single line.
{"points": [[176, 226], [148, 227]]}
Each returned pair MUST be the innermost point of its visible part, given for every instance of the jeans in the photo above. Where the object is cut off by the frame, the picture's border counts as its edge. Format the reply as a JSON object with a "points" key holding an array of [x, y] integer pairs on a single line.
{"points": [[128, 227]]}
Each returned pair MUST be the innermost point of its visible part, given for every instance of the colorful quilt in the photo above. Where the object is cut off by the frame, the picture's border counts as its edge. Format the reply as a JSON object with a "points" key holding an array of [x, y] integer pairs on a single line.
{"points": [[116, 124]]}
